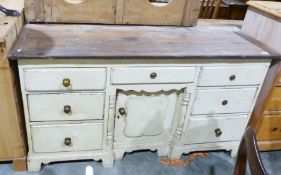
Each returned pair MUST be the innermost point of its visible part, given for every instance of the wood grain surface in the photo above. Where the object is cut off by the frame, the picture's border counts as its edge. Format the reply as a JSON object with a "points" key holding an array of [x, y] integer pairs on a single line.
{"points": [[12, 140], [13, 4], [270, 127], [100, 41], [263, 22], [270, 7]]}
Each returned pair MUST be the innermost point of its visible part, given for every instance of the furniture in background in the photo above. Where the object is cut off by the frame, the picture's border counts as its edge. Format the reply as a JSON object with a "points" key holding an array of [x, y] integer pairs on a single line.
{"points": [[249, 152], [223, 9], [175, 12], [209, 9], [263, 22], [236, 9], [12, 135], [155, 93]]}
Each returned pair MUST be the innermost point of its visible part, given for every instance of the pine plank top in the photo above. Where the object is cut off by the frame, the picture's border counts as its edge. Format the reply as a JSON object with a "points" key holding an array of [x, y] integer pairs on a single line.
{"points": [[43, 41], [270, 7]]}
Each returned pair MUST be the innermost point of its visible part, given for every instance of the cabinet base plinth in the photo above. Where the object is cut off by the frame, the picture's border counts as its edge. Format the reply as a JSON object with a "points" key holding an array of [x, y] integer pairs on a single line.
{"points": [[231, 146], [35, 161]]}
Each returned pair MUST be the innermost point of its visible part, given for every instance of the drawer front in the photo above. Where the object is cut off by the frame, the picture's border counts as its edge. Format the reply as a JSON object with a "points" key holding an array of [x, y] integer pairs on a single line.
{"points": [[231, 76], [60, 79], [224, 101], [72, 137], [215, 129], [145, 75], [52, 107], [270, 128], [274, 101]]}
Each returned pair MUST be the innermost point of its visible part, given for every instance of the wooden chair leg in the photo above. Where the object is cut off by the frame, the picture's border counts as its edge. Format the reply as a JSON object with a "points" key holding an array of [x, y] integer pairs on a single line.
{"points": [[20, 164]]}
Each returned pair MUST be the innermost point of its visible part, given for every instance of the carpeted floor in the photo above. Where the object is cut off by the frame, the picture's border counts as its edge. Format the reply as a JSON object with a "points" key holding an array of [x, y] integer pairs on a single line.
{"points": [[147, 163]]}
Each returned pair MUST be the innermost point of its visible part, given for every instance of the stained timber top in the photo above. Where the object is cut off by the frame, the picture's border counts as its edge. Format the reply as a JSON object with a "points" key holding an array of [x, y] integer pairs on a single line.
{"points": [[210, 39]]}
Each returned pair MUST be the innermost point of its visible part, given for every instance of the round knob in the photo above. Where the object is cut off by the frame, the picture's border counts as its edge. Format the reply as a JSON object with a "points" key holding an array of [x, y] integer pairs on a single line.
{"points": [[224, 102], [67, 141], [66, 82], [232, 77], [218, 132], [67, 109], [122, 111], [153, 75]]}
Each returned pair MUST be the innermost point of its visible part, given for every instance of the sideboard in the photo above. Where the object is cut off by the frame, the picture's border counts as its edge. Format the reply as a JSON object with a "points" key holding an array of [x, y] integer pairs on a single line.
{"points": [[96, 92]]}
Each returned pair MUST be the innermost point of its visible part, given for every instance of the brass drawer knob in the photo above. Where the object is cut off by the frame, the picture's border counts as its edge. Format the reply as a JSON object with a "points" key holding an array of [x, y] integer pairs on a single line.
{"points": [[232, 77], [67, 109], [218, 132], [122, 111], [67, 141], [224, 102], [66, 82], [153, 75]]}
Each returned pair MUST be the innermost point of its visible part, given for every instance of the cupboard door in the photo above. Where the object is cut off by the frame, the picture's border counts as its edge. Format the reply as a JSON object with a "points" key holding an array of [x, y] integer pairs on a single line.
{"points": [[142, 115]]}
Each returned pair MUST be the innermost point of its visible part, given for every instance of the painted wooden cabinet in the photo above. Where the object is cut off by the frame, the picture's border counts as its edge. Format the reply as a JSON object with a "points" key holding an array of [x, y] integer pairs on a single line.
{"points": [[133, 112], [85, 107]]}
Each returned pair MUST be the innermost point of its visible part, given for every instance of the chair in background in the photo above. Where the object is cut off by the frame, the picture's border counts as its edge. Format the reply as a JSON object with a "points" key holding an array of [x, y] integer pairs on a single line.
{"points": [[209, 9], [249, 152]]}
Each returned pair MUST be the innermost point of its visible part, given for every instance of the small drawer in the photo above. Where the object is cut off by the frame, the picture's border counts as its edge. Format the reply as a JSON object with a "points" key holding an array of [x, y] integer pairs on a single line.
{"points": [[270, 127], [72, 106], [220, 101], [232, 76], [71, 137], [215, 129], [62, 79], [152, 75], [274, 101]]}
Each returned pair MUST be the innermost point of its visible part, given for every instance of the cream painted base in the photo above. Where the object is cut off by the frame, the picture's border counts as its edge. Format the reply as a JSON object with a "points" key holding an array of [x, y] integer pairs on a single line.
{"points": [[201, 99], [178, 150], [120, 149], [35, 161]]}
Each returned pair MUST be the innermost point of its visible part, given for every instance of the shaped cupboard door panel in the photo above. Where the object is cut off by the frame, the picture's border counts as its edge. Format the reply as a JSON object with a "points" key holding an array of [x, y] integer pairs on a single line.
{"points": [[145, 116], [141, 115]]}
